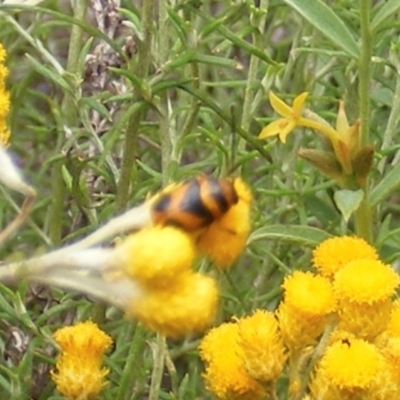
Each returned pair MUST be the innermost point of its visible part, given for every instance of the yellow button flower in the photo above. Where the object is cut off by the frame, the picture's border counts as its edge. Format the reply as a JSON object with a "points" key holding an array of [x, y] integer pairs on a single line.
{"points": [[363, 289], [155, 256], [189, 305], [366, 281], [225, 374], [393, 327], [291, 116], [78, 374], [334, 253], [308, 300], [262, 346], [308, 293], [4, 99], [348, 371]]}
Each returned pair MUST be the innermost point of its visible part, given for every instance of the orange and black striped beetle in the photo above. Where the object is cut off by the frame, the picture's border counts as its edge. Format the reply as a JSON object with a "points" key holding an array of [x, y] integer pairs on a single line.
{"points": [[195, 203]]}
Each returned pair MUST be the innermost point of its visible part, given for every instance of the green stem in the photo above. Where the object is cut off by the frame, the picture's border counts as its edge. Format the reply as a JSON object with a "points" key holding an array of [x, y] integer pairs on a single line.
{"points": [[365, 72], [193, 111], [69, 107], [165, 125], [141, 69], [132, 363], [363, 215], [391, 125], [69, 118], [257, 38], [159, 348]]}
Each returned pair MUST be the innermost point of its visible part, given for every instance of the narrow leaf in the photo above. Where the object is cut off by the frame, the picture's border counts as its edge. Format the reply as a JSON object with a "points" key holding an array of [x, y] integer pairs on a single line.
{"points": [[49, 73], [386, 11], [389, 184], [327, 22], [299, 235]]}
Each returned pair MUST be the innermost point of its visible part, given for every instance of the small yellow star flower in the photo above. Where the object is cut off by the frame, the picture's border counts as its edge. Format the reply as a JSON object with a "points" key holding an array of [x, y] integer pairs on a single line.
{"points": [[226, 237], [334, 253], [346, 162], [291, 116], [262, 346], [225, 373], [189, 305], [78, 374]]}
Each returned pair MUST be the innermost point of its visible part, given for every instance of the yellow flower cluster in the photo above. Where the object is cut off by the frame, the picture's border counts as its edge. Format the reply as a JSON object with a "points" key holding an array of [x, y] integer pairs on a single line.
{"points": [[347, 161], [243, 358], [4, 99], [340, 329], [173, 299], [78, 373]]}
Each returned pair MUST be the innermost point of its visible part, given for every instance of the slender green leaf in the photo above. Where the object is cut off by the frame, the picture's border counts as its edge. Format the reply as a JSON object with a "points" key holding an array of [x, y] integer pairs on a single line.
{"points": [[300, 235], [385, 12], [215, 107], [65, 18], [327, 22], [386, 186], [49, 74]]}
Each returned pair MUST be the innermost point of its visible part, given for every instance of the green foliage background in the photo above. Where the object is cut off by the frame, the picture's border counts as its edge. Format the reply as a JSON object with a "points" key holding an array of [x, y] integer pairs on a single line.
{"points": [[180, 89]]}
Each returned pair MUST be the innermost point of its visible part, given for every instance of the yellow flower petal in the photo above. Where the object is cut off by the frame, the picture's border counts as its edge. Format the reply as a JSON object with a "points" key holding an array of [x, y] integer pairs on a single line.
{"points": [[286, 130], [342, 124], [279, 105], [273, 128], [298, 104]]}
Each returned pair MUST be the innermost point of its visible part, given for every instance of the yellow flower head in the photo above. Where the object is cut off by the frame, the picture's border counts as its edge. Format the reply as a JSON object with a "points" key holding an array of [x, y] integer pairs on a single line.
{"points": [[262, 346], [365, 281], [352, 365], [363, 289], [3, 54], [4, 99], [226, 237], [290, 116], [334, 253], [309, 294], [189, 305], [298, 329], [225, 374], [78, 373], [393, 327], [302, 316], [156, 256]]}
